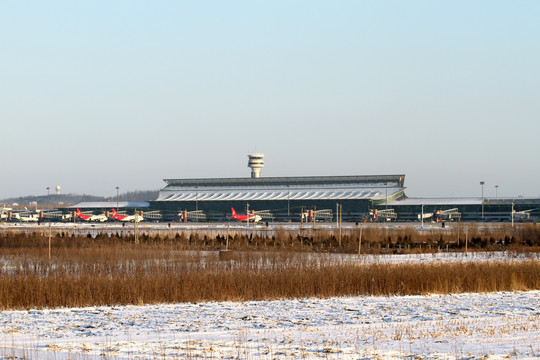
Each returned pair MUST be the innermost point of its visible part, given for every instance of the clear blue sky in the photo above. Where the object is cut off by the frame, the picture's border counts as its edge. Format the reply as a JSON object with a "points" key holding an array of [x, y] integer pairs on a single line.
{"points": [[99, 94]]}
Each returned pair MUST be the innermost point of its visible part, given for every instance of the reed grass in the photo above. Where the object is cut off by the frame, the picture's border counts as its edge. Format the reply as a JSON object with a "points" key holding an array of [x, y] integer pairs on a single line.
{"points": [[111, 271], [375, 239]]}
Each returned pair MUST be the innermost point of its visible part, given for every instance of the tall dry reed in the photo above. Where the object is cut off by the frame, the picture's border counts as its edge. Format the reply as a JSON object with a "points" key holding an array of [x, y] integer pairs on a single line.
{"points": [[119, 272]]}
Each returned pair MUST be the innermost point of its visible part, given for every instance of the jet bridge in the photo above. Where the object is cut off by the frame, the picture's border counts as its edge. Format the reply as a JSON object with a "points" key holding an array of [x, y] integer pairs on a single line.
{"points": [[153, 215], [441, 215], [524, 215], [321, 215], [58, 215], [374, 215], [447, 215], [265, 214], [197, 215]]}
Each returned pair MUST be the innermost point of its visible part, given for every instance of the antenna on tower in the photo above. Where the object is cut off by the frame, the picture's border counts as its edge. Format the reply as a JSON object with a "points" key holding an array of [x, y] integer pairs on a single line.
{"points": [[256, 163]]}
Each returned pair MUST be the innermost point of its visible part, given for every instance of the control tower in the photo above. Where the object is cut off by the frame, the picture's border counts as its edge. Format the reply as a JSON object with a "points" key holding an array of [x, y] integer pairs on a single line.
{"points": [[256, 163]]}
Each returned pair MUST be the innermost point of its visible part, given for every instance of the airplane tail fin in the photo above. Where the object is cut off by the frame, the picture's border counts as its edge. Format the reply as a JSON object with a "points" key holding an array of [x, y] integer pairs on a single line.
{"points": [[233, 212], [78, 211], [113, 212]]}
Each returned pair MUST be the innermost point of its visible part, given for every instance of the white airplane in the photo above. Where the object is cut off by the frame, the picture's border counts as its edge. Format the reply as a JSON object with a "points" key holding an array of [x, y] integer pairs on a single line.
{"points": [[132, 218], [92, 217], [4, 215]]}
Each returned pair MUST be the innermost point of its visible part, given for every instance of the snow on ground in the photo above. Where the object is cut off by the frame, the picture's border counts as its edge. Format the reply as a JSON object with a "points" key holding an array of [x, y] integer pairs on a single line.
{"points": [[464, 326], [8, 264], [480, 256]]}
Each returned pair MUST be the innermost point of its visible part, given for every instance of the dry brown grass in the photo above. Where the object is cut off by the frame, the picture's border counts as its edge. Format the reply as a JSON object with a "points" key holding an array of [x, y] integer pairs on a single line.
{"points": [[375, 239], [109, 271]]}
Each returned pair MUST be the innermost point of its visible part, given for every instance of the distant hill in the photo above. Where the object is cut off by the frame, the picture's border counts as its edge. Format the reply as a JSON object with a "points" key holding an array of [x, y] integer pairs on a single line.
{"points": [[70, 199]]}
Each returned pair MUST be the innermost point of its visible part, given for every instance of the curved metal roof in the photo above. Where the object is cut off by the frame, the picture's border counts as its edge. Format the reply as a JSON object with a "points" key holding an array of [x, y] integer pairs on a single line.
{"points": [[254, 195], [283, 188]]}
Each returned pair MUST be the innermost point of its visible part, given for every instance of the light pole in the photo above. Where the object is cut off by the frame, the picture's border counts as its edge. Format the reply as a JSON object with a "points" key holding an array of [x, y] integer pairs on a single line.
{"points": [[48, 202], [117, 188], [496, 191], [512, 213], [482, 184], [288, 202], [386, 185]]}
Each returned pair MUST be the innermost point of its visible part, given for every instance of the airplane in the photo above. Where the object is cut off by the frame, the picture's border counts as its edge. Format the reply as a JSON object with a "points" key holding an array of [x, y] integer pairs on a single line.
{"points": [[99, 218], [5, 213], [132, 218], [248, 217]]}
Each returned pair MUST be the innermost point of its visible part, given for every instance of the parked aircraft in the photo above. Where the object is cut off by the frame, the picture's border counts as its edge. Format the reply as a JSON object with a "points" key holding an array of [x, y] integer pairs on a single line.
{"points": [[136, 217], [98, 218], [5, 213], [247, 217]]}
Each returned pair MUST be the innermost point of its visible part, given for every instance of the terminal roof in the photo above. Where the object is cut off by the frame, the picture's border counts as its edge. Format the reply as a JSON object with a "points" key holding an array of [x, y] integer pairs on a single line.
{"points": [[109, 204], [284, 181], [283, 188]]}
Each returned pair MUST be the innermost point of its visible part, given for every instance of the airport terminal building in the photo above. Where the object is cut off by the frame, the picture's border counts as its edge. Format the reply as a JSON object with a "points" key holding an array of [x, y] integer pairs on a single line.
{"points": [[322, 198], [279, 198], [376, 197]]}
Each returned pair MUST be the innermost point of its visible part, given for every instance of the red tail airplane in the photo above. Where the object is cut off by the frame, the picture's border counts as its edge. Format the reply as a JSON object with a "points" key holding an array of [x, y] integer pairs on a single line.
{"points": [[132, 218], [248, 217], [100, 218]]}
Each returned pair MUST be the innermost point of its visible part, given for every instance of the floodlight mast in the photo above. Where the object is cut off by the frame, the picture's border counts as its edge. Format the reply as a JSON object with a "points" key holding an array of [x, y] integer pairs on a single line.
{"points": [[482, 185]]}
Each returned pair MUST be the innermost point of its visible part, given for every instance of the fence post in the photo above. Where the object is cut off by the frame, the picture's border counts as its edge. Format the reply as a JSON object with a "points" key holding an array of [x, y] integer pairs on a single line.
{"points": [[360, 240], [340, 208], [458, 228], [466, 238], [49, 241], [227, 243]]}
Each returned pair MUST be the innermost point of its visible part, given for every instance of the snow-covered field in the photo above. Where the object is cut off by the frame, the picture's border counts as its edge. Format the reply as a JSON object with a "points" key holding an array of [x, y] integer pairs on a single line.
{"points": [[461, 326], [495, 326]]}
